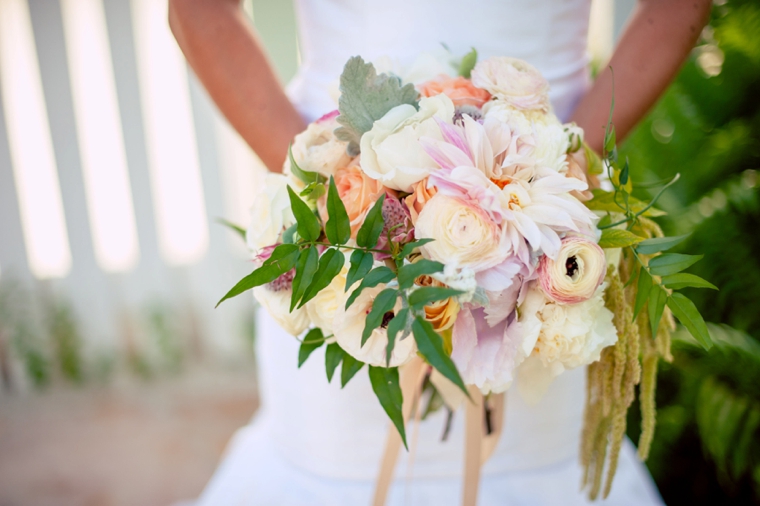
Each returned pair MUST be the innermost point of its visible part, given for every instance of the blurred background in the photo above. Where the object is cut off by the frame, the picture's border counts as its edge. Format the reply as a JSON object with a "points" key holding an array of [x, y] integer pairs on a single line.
{"points": [[119, 382]]}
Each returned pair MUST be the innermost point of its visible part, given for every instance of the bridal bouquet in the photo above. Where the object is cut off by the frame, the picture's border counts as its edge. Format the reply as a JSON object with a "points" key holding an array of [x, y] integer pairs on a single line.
{"points": [[450, 217]]}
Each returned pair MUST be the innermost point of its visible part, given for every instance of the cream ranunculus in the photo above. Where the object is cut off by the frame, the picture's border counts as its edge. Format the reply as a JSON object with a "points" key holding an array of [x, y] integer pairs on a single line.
{"points": [[277, 303], [392, 152], [560, 337], [348, 326], [316, 149], [575, 274], [270, 213], [324, 305], [514, 81], [463, 234]]}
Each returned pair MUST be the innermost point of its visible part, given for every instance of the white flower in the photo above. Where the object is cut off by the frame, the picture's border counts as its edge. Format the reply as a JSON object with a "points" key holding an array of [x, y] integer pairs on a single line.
{"points": [[277, 303], [316, 149], [561, 337], [458, 278], [541, 211], [324, 305], [392, 152], [514, 81], [425, 67], [270, 213], [542, 141], [463, 234], [348, 326]]}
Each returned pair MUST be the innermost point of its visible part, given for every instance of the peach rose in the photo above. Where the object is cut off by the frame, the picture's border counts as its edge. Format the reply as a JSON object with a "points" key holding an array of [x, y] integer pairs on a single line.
{"points": [[420, 195], [460, 90], [358, 193]]}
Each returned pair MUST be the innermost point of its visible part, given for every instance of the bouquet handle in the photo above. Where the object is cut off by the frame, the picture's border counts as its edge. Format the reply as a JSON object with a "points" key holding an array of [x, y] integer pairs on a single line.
{"points": [[480, 443]]}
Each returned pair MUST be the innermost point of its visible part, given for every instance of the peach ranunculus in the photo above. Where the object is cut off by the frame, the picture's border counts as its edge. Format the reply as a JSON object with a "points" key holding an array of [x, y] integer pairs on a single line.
{"points": [[460, 90], [420, 196], [575, 274], [358, 193], [442, 313]]}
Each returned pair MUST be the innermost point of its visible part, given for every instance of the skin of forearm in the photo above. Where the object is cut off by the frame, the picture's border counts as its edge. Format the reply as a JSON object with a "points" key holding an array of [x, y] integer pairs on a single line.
{"points": [[656, 42], [227, 57]]}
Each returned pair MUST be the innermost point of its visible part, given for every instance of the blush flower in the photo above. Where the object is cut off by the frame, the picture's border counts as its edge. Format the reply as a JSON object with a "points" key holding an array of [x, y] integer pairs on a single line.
{"points": [[463, 234], [460, 90], [316, 149], [514, 81], [575, 274]]}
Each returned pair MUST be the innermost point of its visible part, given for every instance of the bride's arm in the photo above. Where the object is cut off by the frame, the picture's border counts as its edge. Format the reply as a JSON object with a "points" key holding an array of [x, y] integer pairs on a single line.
{"points": [[226, 55], [651, 51]]}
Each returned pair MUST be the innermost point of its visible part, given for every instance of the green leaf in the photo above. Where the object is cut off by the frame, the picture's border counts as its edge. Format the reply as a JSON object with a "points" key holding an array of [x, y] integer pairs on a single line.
{"points": [[430, 345], [305, 269], [616, 238], [288, 236], [375, 277], [235, 228], [306, 176], [643, 288], [361, 264], [595, 166], [657, 299], [468, 63], [605, 201], [338, 226], [384, 302], [372, 227], [671, 263], [688, 314], [365, 97], [349, 369], [657, 244], [408, 273], [308, 224], [282, 260], [409, 247], [423, 296], [683, 280], [386, 387], [330, 264], [313, 340], [624, 173], [333, 356], [396, 325]]}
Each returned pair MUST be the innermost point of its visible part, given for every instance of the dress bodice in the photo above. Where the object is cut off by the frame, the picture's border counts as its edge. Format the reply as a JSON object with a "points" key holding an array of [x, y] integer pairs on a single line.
{"points": [[549, 34], [340, 433]]}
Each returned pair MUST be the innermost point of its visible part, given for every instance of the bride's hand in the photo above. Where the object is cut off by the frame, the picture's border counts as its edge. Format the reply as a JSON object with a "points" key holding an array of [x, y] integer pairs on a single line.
{"points": [[657, 40], [225, 53]]}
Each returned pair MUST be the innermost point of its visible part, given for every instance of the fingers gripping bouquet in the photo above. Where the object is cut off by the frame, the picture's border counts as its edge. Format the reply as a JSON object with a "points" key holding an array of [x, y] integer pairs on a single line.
{"points": [[450, 218]]}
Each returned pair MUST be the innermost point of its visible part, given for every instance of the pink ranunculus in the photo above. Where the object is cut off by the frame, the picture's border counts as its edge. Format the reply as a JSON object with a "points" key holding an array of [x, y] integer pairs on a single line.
{"points": [[573, 277], [514, 81], [460, 90]]}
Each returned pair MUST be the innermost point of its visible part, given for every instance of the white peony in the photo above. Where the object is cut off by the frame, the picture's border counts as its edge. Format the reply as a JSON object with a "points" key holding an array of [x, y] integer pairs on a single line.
{"points": [[561, 337], [348, 326], [316, 149], [324, 305], [392, 152], [514, 81], [277, 303], [270, 213]]}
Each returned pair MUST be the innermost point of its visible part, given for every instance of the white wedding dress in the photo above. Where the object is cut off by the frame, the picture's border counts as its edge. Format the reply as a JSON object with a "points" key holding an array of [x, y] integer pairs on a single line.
{"points": [[312, 443]]}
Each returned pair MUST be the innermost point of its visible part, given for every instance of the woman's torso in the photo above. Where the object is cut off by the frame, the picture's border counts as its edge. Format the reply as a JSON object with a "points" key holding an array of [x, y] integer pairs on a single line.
{"points": [[341, 433]]}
